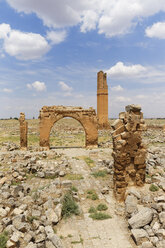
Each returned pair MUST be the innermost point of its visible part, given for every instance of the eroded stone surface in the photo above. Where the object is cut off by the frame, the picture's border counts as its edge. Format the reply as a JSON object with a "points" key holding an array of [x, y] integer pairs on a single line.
{"points": [[23, 131], [128, 151], [50, 115]]}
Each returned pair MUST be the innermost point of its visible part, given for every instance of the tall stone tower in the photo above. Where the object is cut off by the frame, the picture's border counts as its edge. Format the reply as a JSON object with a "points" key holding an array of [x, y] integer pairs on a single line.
{"points": [[102, 100]]}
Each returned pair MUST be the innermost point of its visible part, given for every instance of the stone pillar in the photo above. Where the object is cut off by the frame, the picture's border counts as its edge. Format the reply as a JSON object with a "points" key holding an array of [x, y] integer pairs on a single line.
{"points": [[102, 100], [23, 131], [129, 152]]}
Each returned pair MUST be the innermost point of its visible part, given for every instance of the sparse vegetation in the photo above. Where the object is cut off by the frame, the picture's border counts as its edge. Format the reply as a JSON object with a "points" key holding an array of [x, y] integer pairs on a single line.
{"points": [[99, 216], [69, 206], [92, 210], [74, 189], [153, 188], [3, 239], [78, 241], [31, 218], [101, 173], [102, 207], [91, 194], [89, 162], [74, 176]]}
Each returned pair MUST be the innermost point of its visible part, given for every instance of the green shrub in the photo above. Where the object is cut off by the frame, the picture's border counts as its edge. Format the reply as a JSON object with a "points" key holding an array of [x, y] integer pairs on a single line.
{"points": [[102, 207], [69, 206], [3, 239], [92, 210], [101, 173], [99, 216], [91, 194], [73, 188], [153, 188]]}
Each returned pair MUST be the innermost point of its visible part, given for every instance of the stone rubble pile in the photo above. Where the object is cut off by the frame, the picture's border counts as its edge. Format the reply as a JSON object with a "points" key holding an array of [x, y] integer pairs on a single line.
{"points": [[146, 213], [129, 153], [31, 203]]}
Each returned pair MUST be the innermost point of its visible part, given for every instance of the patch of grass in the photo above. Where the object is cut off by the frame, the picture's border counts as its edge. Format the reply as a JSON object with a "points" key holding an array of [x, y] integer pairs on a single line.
{"points": [[92, 210], [89, 162], [78, 242], [3, 239], [153, 188], [31, 218], [70, 235], [99, 216], [102, 207], [76, 158], [101, 173], [51, 177], [15, 183], [69, 206], [74, 176], [74, 189], [91, 194]]}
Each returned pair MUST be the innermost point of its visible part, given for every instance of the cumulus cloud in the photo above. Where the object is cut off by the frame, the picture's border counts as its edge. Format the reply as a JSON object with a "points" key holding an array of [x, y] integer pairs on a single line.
{"points": [[7, 90], [117, 88], [120, 70], [23, 46], [115, 17], [37, 85], [56, 37], [65, 87], [157, 30]]}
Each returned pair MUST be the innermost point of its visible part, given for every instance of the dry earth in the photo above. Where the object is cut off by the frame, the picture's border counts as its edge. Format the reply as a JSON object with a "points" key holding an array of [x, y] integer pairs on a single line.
{"points": [[34, 183]]}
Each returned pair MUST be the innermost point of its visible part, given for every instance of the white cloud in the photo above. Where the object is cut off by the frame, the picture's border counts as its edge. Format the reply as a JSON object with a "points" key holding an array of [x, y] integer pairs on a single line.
{"points": [[23, 46], [65, 87], [157, 30], [122, 99], [37, 85], [7, 90], [115, 17], [56, 37], [117, 88], [4, 30], [120, 70]]}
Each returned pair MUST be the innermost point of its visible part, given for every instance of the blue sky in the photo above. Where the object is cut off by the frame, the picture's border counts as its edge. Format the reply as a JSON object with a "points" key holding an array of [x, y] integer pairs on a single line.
{"points": [[51, 51]]}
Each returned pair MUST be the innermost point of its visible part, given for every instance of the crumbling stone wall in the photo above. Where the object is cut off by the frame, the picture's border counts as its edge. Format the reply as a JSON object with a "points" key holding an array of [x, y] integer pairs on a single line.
{"points": [[102, 100], [129, 152], [50, 115], [23, 131]]}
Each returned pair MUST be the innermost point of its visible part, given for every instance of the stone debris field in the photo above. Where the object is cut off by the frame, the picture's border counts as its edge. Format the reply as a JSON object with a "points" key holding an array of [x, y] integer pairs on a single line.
{"points": [[64, 197]]}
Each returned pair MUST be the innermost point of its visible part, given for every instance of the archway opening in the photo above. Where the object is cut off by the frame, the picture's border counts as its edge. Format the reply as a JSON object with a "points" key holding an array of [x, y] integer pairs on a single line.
{"points": [[67, 133]]}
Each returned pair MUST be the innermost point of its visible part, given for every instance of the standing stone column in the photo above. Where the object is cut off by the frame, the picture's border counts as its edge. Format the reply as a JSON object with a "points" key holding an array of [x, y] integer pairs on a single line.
{"points": [[129, 152], [23, 131]]}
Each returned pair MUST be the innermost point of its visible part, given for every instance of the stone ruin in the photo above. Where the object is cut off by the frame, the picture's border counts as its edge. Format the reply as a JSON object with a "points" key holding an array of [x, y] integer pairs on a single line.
{"points": [[23, 131], [129, 152], [49, 115], [102, 100]]}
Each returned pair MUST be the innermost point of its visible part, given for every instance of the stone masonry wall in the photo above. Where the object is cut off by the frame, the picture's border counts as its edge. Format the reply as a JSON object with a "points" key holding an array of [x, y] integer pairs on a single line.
{"points": [[23, 131], [129, 152]]}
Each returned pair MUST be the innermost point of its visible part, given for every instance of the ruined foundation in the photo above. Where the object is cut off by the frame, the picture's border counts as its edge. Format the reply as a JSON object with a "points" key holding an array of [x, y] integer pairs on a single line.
{"points": [[129, 153], [23, 132], [50, 115], [102, 100]]}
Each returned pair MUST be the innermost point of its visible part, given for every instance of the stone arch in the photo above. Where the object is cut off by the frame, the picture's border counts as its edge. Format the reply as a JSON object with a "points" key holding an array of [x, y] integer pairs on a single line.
{"points": [[50, 115]]}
